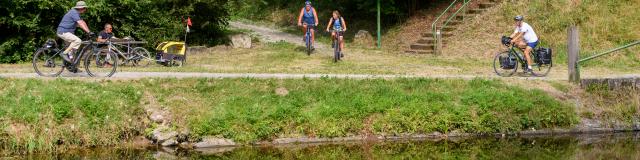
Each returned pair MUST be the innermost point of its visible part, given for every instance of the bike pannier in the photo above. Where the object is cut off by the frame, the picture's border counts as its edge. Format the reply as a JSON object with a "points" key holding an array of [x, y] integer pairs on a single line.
{"points": [[507, 62], [544, 55]]}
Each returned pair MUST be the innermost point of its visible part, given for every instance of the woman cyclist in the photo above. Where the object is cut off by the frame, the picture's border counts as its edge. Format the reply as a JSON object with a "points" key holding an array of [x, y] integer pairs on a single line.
{"points": [[339, 27], [308, 18]]}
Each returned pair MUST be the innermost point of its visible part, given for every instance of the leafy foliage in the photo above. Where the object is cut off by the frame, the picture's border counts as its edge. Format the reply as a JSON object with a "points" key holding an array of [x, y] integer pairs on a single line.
{"points": [[27, 23]]}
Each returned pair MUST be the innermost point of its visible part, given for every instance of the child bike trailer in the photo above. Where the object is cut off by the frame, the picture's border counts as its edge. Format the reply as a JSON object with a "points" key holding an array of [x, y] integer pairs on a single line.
{"points": [[171, 53]]}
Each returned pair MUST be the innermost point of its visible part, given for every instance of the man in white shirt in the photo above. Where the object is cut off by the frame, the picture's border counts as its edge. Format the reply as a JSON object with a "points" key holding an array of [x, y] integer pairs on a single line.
{"points": [[525, 38]]}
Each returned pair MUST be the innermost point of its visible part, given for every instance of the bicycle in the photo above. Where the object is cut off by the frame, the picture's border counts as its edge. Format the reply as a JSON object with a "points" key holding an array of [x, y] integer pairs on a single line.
{"points": [[507, 61], [48, 62], [337, 51], [307, 37], [137, 56]]}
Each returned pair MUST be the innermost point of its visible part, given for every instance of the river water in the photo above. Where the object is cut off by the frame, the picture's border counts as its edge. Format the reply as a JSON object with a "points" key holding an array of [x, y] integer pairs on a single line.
{"points": [[579, 147]]}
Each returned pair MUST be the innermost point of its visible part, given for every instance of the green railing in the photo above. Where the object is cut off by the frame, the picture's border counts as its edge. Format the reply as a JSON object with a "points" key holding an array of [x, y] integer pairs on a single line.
{"points": [[600, 55], [434, 25]]}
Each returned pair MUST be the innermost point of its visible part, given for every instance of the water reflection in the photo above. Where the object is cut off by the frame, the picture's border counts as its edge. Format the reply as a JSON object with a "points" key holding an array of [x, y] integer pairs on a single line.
{"points": [[607, 146]]}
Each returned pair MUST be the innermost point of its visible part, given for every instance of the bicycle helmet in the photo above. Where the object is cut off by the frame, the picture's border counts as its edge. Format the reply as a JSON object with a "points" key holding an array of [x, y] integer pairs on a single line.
{"points": [[308, 3], [518, 18]]}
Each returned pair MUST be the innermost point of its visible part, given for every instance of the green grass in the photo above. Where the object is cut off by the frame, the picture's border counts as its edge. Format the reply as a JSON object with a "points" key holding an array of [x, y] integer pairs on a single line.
{"points": [[249, 110], [66, 112], [604, 24], [50, 115]]}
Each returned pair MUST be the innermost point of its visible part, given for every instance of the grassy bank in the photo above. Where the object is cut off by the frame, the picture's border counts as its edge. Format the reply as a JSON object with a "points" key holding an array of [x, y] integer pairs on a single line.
{"points": [[39, 115], [49, 115], [604, 24], [54, 115]]}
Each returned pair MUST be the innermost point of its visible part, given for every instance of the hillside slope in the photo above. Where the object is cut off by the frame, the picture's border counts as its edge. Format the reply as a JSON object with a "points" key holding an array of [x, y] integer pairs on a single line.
{"points": [[604, 24]]}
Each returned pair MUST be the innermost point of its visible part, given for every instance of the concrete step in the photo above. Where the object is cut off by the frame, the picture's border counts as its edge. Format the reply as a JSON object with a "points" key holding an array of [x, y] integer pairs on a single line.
{"points": [[465, 16], [430, 41], [476, 11], [444, 35], [421, 47], [419, 51], [624, 82], [454, 23], [449, 28], [486, 5]]}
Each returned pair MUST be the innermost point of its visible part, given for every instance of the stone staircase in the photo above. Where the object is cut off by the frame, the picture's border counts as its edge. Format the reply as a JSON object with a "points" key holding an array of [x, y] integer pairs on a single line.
{"points": [[426, 44]]}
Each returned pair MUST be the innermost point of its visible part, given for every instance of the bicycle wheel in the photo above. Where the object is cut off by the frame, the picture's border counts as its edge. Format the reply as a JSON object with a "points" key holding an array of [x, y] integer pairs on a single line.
{"points": [[47, 63], [142, 57], [540, 70], [501, 69], [308, 39], [100, 64], [336, 52]]}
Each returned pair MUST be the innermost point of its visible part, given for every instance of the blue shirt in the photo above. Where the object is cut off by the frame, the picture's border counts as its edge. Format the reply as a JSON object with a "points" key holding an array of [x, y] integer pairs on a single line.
{"points": [[308, 16], [69, 22], [337, 24]]}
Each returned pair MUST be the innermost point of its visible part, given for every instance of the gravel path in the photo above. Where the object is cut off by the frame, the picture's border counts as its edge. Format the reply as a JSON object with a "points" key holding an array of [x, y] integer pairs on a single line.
{"points": [[273, 35], [140, 75]]}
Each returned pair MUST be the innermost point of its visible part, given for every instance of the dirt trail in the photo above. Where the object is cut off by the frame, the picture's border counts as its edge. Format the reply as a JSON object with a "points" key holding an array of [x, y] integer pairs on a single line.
{"points": [[273, 35]]}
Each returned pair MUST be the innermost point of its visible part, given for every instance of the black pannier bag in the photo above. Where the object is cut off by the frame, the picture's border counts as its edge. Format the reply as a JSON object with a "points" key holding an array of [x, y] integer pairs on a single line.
{"points": [[544, 55], [507, 62]]}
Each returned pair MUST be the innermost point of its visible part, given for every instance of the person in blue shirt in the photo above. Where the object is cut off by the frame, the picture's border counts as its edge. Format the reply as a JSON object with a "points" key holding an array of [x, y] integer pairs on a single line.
{"points": [[308, 18], [67, 27], [107, 34], [339, 27]]}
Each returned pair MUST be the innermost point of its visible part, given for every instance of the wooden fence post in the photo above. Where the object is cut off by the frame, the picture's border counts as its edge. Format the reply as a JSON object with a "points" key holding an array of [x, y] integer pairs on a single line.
{"points": [[573, 49]]}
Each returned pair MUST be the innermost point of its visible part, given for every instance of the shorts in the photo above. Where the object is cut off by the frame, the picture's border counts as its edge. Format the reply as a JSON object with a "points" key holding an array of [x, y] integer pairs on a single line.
{"points": [[533, 45]]}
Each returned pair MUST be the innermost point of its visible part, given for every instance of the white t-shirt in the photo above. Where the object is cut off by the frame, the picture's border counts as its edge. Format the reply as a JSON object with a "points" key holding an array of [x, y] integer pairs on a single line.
{"points": [[529, 35]]}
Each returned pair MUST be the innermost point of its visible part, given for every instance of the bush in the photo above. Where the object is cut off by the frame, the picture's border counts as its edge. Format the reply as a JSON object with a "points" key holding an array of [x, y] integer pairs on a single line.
{"points": [[27, 23]]}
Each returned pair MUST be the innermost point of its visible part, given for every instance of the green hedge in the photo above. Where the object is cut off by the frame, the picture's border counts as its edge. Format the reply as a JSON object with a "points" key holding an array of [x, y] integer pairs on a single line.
{"points": [[25, 24]]}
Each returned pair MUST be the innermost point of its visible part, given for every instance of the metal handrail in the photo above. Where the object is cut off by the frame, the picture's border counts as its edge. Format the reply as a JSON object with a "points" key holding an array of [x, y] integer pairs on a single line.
{"points": [[434, 25], [609, 51]]}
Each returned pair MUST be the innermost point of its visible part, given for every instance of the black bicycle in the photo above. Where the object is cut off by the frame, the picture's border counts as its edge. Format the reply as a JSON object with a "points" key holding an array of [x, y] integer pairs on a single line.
{"points": [[505, 63], [337, 51], [48, 61]]}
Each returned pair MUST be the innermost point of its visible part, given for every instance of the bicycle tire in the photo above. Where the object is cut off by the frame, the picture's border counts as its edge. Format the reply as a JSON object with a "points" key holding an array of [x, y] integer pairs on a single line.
{"points": [[143, 58], [497, 67], [100, 59], [540, 70], [50, 61], [308, 40]]}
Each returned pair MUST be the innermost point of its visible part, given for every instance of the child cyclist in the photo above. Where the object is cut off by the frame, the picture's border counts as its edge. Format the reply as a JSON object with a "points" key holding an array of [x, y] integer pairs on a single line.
{"points": [[339, 27]]}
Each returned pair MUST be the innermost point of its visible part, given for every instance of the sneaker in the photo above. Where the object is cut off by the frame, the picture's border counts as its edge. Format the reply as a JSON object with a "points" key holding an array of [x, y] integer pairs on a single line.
{"points": [[341, 55], [66, 57], [528, 70]]}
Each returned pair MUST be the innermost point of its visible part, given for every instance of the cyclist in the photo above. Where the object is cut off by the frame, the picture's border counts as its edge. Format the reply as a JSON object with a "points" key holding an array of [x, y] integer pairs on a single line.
{"points": [[339, 26], [525, 38], [67, 27], [308, 18]]}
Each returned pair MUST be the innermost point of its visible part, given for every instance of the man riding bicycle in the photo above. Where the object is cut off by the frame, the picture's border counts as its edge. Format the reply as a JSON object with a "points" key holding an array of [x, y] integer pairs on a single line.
{"points": [[308, 18], [67, 27], [525, 38]]}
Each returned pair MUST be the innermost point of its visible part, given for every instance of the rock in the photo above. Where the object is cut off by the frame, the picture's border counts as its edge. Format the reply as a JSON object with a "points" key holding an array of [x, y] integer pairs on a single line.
{"points": [[161, 134], [364, 38], [209, 142], [169, 143], [156, 117], [281, 91], [241, 41]]}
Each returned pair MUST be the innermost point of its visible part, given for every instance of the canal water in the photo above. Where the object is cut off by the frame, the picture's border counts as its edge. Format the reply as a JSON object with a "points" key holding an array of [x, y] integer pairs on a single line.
{"points": [[579, 147]]}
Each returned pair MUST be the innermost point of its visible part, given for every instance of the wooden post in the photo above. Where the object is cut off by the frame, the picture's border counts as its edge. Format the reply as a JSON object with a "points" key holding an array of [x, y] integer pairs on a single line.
{"points": [[379, 28], [573, 49]]}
